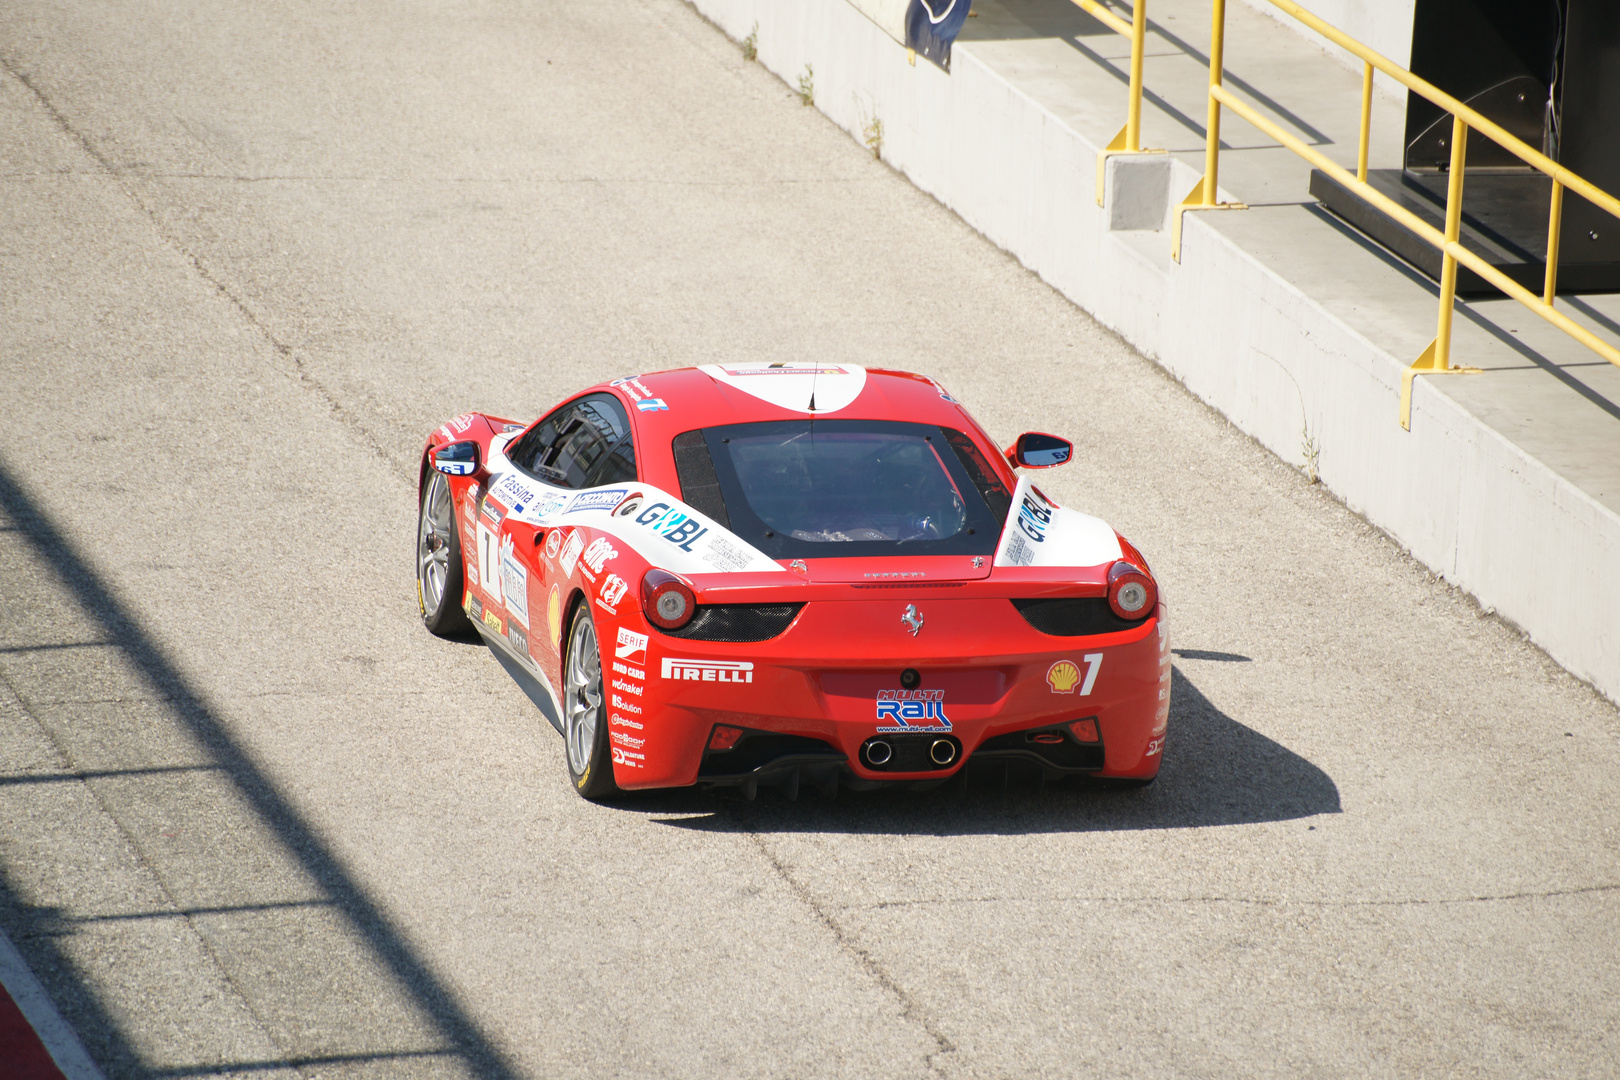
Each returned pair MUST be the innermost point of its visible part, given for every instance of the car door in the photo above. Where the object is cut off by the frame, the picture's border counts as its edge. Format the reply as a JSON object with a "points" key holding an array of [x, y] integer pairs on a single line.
{"points": [[584, 443]]}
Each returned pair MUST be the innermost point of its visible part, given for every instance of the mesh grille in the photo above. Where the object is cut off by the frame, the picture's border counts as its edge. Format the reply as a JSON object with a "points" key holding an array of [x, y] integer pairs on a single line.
{"points": [[738, 622], [1074, 616]]}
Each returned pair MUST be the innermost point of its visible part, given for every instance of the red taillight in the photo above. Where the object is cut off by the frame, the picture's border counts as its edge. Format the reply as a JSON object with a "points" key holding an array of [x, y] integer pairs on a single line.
{"points": [[1085, 730], [724, 738], [667, 600], [1131, 592]]}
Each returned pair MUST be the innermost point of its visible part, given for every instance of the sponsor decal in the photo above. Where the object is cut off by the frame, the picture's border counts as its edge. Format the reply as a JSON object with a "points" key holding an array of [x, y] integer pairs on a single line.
{"points": [[728, 671], [627, 687], [511, 427], [553, 544], [1093, 665], [652, 405], [632, 647], [599, 554], [519, 640], [633, 387], [492, 510], [627, 706], [912, 710], [678, 527], [783, 369], [1033, 519], [628, 671], [492, 620], [514, 492], [554, 616], [569, 555], [514, 583], [613, 590], [473, 606], [628, 758], [615, 720], [631, 741], [1018, 552], [472, 567], [596, 500], [1063, 677], [1155, 746], [461, 423], [545, 504]]}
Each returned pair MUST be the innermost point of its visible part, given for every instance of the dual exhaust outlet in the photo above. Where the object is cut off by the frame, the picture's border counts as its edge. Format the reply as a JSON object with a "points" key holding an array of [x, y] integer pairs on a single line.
{"points": [[910, 754]]}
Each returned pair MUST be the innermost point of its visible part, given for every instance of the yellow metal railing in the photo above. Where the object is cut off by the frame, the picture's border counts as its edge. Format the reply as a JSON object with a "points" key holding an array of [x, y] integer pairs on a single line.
{"points": [[1129, 139], [1436, 359]]}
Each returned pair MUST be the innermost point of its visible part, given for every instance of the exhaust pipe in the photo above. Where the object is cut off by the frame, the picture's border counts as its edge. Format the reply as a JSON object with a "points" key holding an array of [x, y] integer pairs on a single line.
{"points": [[878, 752], [943, 751]]}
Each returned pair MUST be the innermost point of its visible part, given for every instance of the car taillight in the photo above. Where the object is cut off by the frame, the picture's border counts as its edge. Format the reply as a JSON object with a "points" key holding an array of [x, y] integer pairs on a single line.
{"points": [[667, 600], [1131, 592], [1085, 730]]}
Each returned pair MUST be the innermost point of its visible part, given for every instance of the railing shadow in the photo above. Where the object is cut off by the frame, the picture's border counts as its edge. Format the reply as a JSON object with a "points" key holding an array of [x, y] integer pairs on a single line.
{"points": [[1216, 772], [35, 931]]}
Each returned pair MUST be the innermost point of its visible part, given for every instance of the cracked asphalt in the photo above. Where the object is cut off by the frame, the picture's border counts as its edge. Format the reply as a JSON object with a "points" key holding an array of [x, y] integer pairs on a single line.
{"points": [[257, 822]]}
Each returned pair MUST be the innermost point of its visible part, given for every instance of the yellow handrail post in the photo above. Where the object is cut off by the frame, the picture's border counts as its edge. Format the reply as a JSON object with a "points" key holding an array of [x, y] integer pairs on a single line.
{"points": [[1436, 359], [1212, 134], [1129, 139], [1205, 195], [1555, 221], [1366, 122]]}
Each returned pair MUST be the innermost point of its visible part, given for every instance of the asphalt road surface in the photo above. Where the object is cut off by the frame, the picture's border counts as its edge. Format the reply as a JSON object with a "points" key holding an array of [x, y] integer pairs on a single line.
{"points": [[257, 822]]}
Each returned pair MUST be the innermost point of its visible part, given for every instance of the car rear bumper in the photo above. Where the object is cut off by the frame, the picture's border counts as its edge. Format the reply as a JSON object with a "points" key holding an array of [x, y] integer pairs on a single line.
{"points": [[814, 701]]}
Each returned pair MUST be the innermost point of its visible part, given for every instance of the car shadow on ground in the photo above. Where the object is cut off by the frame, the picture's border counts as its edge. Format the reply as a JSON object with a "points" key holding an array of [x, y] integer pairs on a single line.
{"points": [[1216, 772]]}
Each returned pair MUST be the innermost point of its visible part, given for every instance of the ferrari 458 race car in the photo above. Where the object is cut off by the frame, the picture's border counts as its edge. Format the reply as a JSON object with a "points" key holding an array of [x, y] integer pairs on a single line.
{"points": [[786, 574]]}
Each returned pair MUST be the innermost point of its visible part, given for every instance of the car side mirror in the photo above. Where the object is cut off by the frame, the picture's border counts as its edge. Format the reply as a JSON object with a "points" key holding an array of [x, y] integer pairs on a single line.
{"points": [[457, 459], [1037, 450]]}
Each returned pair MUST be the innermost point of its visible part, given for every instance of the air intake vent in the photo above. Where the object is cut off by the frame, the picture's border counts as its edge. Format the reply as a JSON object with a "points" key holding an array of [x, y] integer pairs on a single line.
{"points": [[1074, 616], [738, 622]]}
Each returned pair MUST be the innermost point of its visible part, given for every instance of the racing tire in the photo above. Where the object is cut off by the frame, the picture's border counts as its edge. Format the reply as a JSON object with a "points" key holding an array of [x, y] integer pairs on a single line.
{"points": [[440, 574], [587, 745]]}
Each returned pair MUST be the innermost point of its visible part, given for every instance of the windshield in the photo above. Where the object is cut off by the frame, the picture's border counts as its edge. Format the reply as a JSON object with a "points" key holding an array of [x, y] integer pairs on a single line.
{"points": [[848, 487]]}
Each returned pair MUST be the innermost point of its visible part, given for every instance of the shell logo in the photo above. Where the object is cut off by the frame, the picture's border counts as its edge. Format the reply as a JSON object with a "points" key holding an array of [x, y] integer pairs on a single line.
{"points": [[554, 614], [1062, 677]]}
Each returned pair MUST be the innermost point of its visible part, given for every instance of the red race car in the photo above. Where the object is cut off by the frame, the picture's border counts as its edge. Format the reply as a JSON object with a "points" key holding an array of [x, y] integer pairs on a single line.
{"points": [[789, 574]]}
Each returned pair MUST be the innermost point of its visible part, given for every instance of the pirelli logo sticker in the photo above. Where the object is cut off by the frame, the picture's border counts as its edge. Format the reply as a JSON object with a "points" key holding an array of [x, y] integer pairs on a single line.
{"points": [[726, 671]]}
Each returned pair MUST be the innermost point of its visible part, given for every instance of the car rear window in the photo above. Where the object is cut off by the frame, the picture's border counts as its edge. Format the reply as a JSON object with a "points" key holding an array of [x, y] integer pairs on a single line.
{"points": [[820, 488]]}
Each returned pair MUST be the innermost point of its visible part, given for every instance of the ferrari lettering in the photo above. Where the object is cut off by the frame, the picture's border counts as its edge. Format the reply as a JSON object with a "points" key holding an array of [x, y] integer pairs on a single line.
{"points": [[632, 647], [727, 671], [907, 710], [598, 555], [679, 528]]}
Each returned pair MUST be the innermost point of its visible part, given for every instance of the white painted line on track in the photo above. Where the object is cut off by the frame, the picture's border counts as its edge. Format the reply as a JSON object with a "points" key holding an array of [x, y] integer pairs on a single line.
{"points": [[60, 1040]]}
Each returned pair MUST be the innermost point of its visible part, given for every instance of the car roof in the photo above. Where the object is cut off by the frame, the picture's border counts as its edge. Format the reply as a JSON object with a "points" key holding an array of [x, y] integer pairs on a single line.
{"points": [[666, 403]]}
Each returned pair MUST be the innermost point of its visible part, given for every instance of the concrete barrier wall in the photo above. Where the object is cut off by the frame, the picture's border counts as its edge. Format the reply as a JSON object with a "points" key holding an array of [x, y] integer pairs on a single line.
{"points": [[1384, 25], [1466, 502]]}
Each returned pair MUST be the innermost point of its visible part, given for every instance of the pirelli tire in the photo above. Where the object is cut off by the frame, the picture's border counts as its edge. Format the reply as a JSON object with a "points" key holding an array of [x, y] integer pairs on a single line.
{"points": [[441, 575], [587, 742]]}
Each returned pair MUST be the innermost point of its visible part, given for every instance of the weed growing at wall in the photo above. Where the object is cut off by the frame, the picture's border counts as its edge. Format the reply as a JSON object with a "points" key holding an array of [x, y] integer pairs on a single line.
{"points": [[751, 44], [807, 86]]}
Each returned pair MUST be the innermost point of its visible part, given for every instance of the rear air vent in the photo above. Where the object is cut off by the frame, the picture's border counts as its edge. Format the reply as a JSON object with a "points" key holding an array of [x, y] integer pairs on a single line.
{"points": [[1074, 616], [738, 622]]}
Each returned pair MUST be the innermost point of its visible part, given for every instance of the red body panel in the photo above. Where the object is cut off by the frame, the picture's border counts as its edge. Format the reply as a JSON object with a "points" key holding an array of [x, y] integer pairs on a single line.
{"points": [[821, 678]]}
